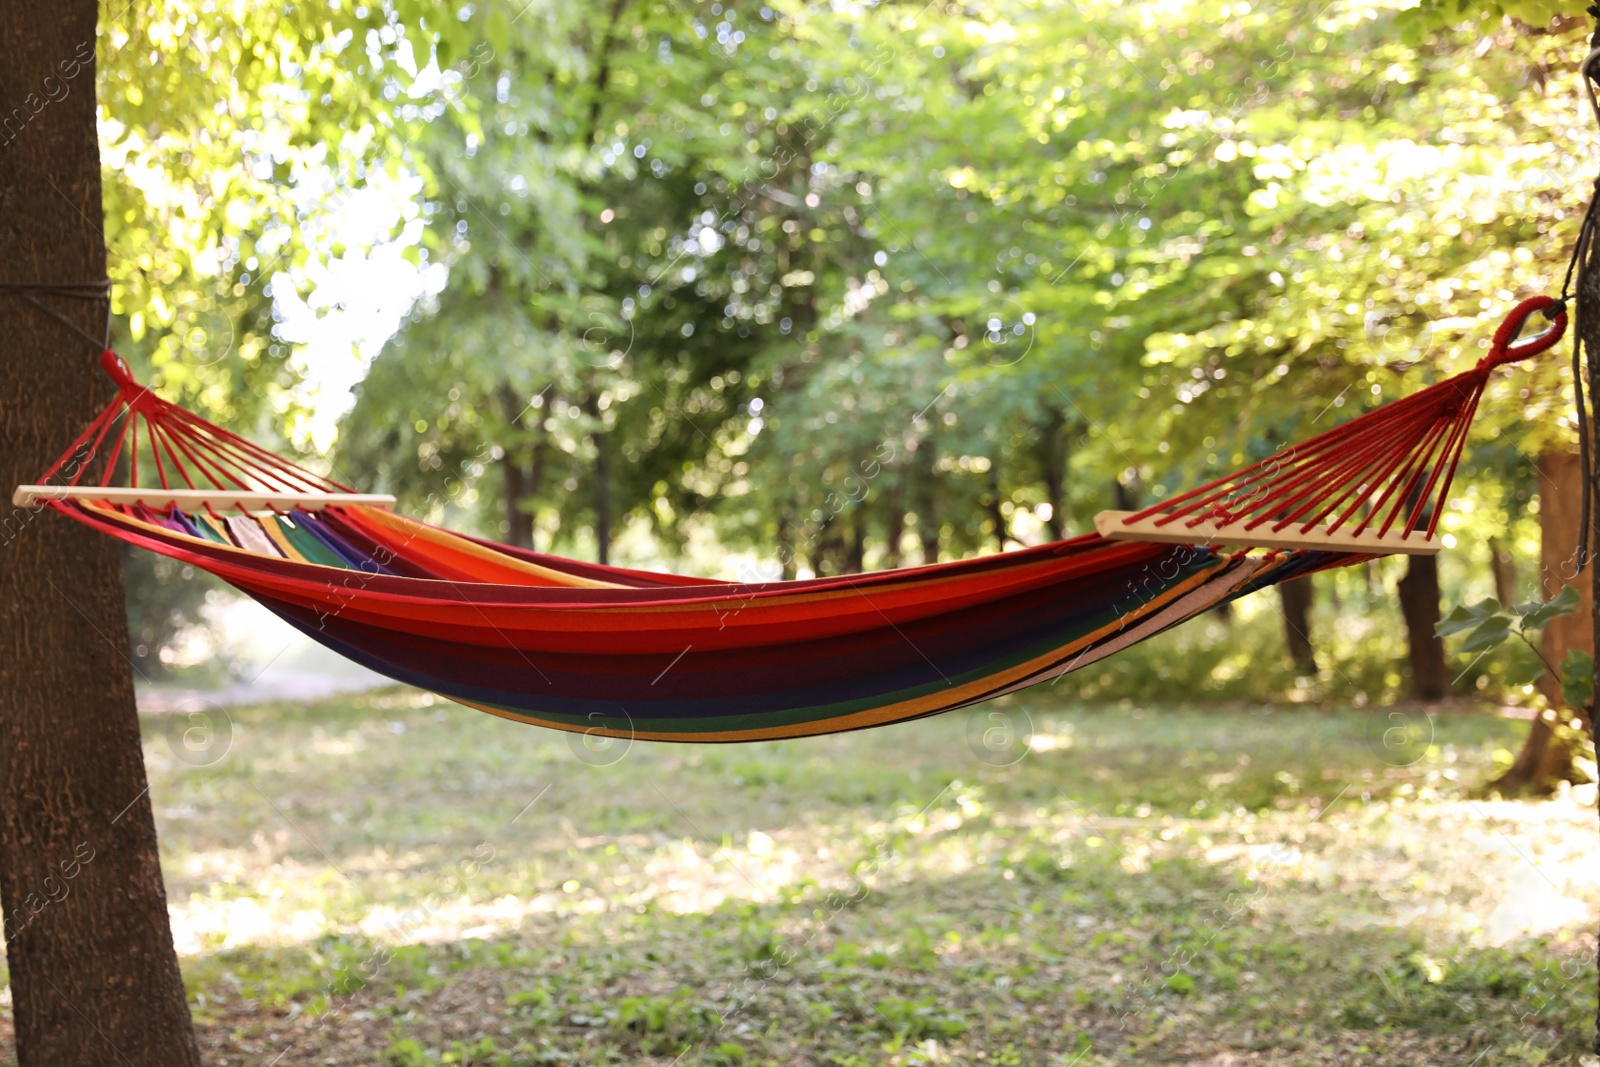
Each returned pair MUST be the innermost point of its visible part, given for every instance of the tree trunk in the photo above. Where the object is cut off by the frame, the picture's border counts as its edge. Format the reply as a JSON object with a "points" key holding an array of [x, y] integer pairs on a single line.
{"points": [[1125, 495], [996, 501], [896, 521], [521, 469], [786, 546], [1053, 468], [602, 479], [1504, 571], [827, 553], [1546, 756], [519, 523], [856, 561], [927, 518], [1297, 597], [94, 978], [1419, 603]]}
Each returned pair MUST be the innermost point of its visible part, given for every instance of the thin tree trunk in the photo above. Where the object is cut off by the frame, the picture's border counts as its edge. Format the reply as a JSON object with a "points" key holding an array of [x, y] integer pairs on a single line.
{"points": [[927, 520], [1419, 604], [602, 478], [519, 524], [828, 546], [786, 546], [515, 478], [896, 521], [1504, 571], [1053, 468], [997, 516], [1124, 495], [94, 978], [856, 561], [1546, 756], [533, 484], [1297, 597]]}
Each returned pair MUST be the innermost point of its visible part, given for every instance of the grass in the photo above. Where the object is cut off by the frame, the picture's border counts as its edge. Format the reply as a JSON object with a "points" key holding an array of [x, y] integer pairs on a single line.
{"points": [[398, 880]]}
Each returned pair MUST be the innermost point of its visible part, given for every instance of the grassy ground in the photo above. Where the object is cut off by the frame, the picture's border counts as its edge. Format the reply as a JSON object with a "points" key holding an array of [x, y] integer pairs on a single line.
{"points": [[397, 880]]}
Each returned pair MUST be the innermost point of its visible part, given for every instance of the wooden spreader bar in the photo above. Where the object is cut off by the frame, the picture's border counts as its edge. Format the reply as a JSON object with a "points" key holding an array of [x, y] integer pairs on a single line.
{"points": [[1113, 526], [197, 499]]}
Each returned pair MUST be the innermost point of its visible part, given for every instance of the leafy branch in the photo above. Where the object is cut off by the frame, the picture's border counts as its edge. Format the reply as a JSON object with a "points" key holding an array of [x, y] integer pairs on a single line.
{"points": [[1489, 624]]}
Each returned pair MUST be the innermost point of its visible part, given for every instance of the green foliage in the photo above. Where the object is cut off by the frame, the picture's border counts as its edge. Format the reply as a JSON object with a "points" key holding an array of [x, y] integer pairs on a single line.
{"points": [[164, 599], [864, 296], [1488, 624], [798, 287], [1577, 679]]}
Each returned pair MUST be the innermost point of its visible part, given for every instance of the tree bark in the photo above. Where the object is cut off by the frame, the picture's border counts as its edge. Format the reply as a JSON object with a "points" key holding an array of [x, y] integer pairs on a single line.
{"points": [[602, 478], [1419, 603], [1124, 495], [1504, 571], [927, 518], [996, 501], [1053, 468], [1546, 755], [519, 524], [518, 482], [856, 560], [896, 522], [94, 978], [827, 548], [786, 546], [1297, 597]]}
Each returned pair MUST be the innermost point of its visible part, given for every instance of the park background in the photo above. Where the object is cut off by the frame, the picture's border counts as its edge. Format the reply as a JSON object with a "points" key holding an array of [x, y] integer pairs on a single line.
{"points": [[772, 290]]}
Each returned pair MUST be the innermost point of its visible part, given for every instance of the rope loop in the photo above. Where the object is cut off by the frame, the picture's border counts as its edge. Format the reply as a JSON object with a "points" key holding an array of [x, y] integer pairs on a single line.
{"points": [[118, 371], [1505, 348]]}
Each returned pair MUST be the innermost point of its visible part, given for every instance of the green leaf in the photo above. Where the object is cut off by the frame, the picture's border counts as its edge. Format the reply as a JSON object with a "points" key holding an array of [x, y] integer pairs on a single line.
{"points": [[1577, 679], [1465, 617], [1563, 603], [1525, 673], [1180, 983], [1489, 633]]}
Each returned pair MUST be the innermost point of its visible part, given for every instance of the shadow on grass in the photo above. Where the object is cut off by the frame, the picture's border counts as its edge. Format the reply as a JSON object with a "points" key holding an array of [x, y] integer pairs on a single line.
{"points": [[1040, 956]]}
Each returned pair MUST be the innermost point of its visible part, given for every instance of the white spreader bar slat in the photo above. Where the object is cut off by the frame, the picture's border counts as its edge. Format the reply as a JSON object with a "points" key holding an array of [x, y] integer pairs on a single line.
{"points": [[1112, 525], [195, 499]]}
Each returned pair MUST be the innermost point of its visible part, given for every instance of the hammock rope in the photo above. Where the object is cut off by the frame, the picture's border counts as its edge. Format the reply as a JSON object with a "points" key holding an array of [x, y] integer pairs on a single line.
{"points": [[619, 652], [1385, 470]]}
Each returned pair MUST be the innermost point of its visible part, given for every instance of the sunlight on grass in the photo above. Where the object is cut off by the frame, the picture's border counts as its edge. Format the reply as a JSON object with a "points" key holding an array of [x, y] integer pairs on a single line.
{"points": [[1138, 884]]}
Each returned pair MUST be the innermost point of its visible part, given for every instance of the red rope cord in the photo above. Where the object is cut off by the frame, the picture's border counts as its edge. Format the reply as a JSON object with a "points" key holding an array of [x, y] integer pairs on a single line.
{"points": [[133, 451], [155, 451], [203, 469], [1416, 465], [1455, 458], [1374, 464], [1306, 478], [1453, 450], [1393, 465], [100, 422], [251, 457], [177, 464], [260, 454], [1314, 491], [116, 451]]}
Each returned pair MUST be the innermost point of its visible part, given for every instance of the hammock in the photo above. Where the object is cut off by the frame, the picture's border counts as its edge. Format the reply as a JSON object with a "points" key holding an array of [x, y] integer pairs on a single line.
{"points": [[620, 652]]}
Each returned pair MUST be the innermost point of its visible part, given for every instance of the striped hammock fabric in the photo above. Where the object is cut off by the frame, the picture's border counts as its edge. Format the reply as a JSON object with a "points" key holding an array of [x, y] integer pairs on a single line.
{"points": [[619, 652]]}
